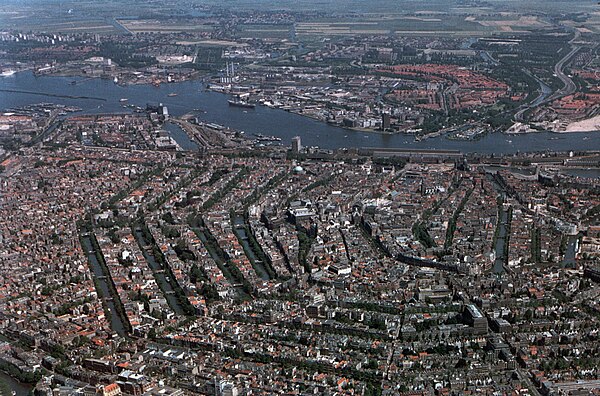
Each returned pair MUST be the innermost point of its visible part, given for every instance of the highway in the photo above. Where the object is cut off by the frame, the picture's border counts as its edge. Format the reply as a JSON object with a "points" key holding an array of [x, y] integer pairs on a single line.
{"points": [[544, 92], [569, 87]]}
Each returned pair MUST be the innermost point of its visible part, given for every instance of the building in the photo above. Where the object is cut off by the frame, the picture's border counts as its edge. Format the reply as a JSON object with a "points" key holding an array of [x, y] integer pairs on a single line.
{"points": [[226, 389], [500, 325], [474, 318], [296, 144], [102, 390], [593, 273], [164, 111], [386, 121]]}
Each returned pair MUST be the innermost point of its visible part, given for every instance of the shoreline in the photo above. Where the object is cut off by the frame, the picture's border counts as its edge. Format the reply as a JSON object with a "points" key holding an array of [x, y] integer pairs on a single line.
{"points": [[549, 131], [312, 117]]}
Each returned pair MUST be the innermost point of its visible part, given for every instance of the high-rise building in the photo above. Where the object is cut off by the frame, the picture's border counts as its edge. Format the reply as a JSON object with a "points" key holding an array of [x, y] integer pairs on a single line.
{"points": [[296, 144], [163, 110], [385, 121]]}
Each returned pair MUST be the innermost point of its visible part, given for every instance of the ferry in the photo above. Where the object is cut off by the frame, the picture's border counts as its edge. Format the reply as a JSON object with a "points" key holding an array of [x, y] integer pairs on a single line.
{"points": [[7, 73], [261, 137], [241, 103]]}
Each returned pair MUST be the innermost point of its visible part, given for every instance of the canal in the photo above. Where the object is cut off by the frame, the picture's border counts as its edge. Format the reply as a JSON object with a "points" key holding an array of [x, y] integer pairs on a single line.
{"points": [[220, 260], [569, 259], [102, 286], [8, 382], [163, 281], [501, 227], [240, 233], [591, 173], [182, 138], [498, 267]]}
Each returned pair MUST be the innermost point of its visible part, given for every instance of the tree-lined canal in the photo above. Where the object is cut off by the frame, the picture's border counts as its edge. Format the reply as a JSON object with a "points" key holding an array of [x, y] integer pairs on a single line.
{"points": [[101, 281]]}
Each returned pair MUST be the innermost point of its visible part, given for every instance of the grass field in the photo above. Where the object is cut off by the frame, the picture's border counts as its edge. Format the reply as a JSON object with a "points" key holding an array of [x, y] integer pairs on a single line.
{"points": [[345, 16], [164, 26], [265, 31], [400, 24], [24, 22]]}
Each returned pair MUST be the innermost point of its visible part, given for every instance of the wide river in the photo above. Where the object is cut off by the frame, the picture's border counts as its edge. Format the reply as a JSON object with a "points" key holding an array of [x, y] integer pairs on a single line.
{"points": [[191, 95]]}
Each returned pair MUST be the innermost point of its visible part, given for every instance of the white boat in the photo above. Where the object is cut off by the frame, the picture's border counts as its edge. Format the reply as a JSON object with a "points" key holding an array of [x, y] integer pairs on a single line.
{"points": [[7, 73]]}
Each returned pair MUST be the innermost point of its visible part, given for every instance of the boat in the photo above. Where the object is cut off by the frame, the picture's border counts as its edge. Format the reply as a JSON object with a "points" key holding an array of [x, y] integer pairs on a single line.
{"points": [[7, 73], [241, 103], [123, 100], [261, 137], [172, 94]]}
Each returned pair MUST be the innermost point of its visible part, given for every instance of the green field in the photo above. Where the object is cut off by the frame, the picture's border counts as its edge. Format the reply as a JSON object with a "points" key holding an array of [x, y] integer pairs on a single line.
{"points": [[350, 16]]}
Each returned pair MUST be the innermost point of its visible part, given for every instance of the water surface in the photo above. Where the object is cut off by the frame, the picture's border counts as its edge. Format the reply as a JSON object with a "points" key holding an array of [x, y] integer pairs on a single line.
{"points": [[213, 107]]}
